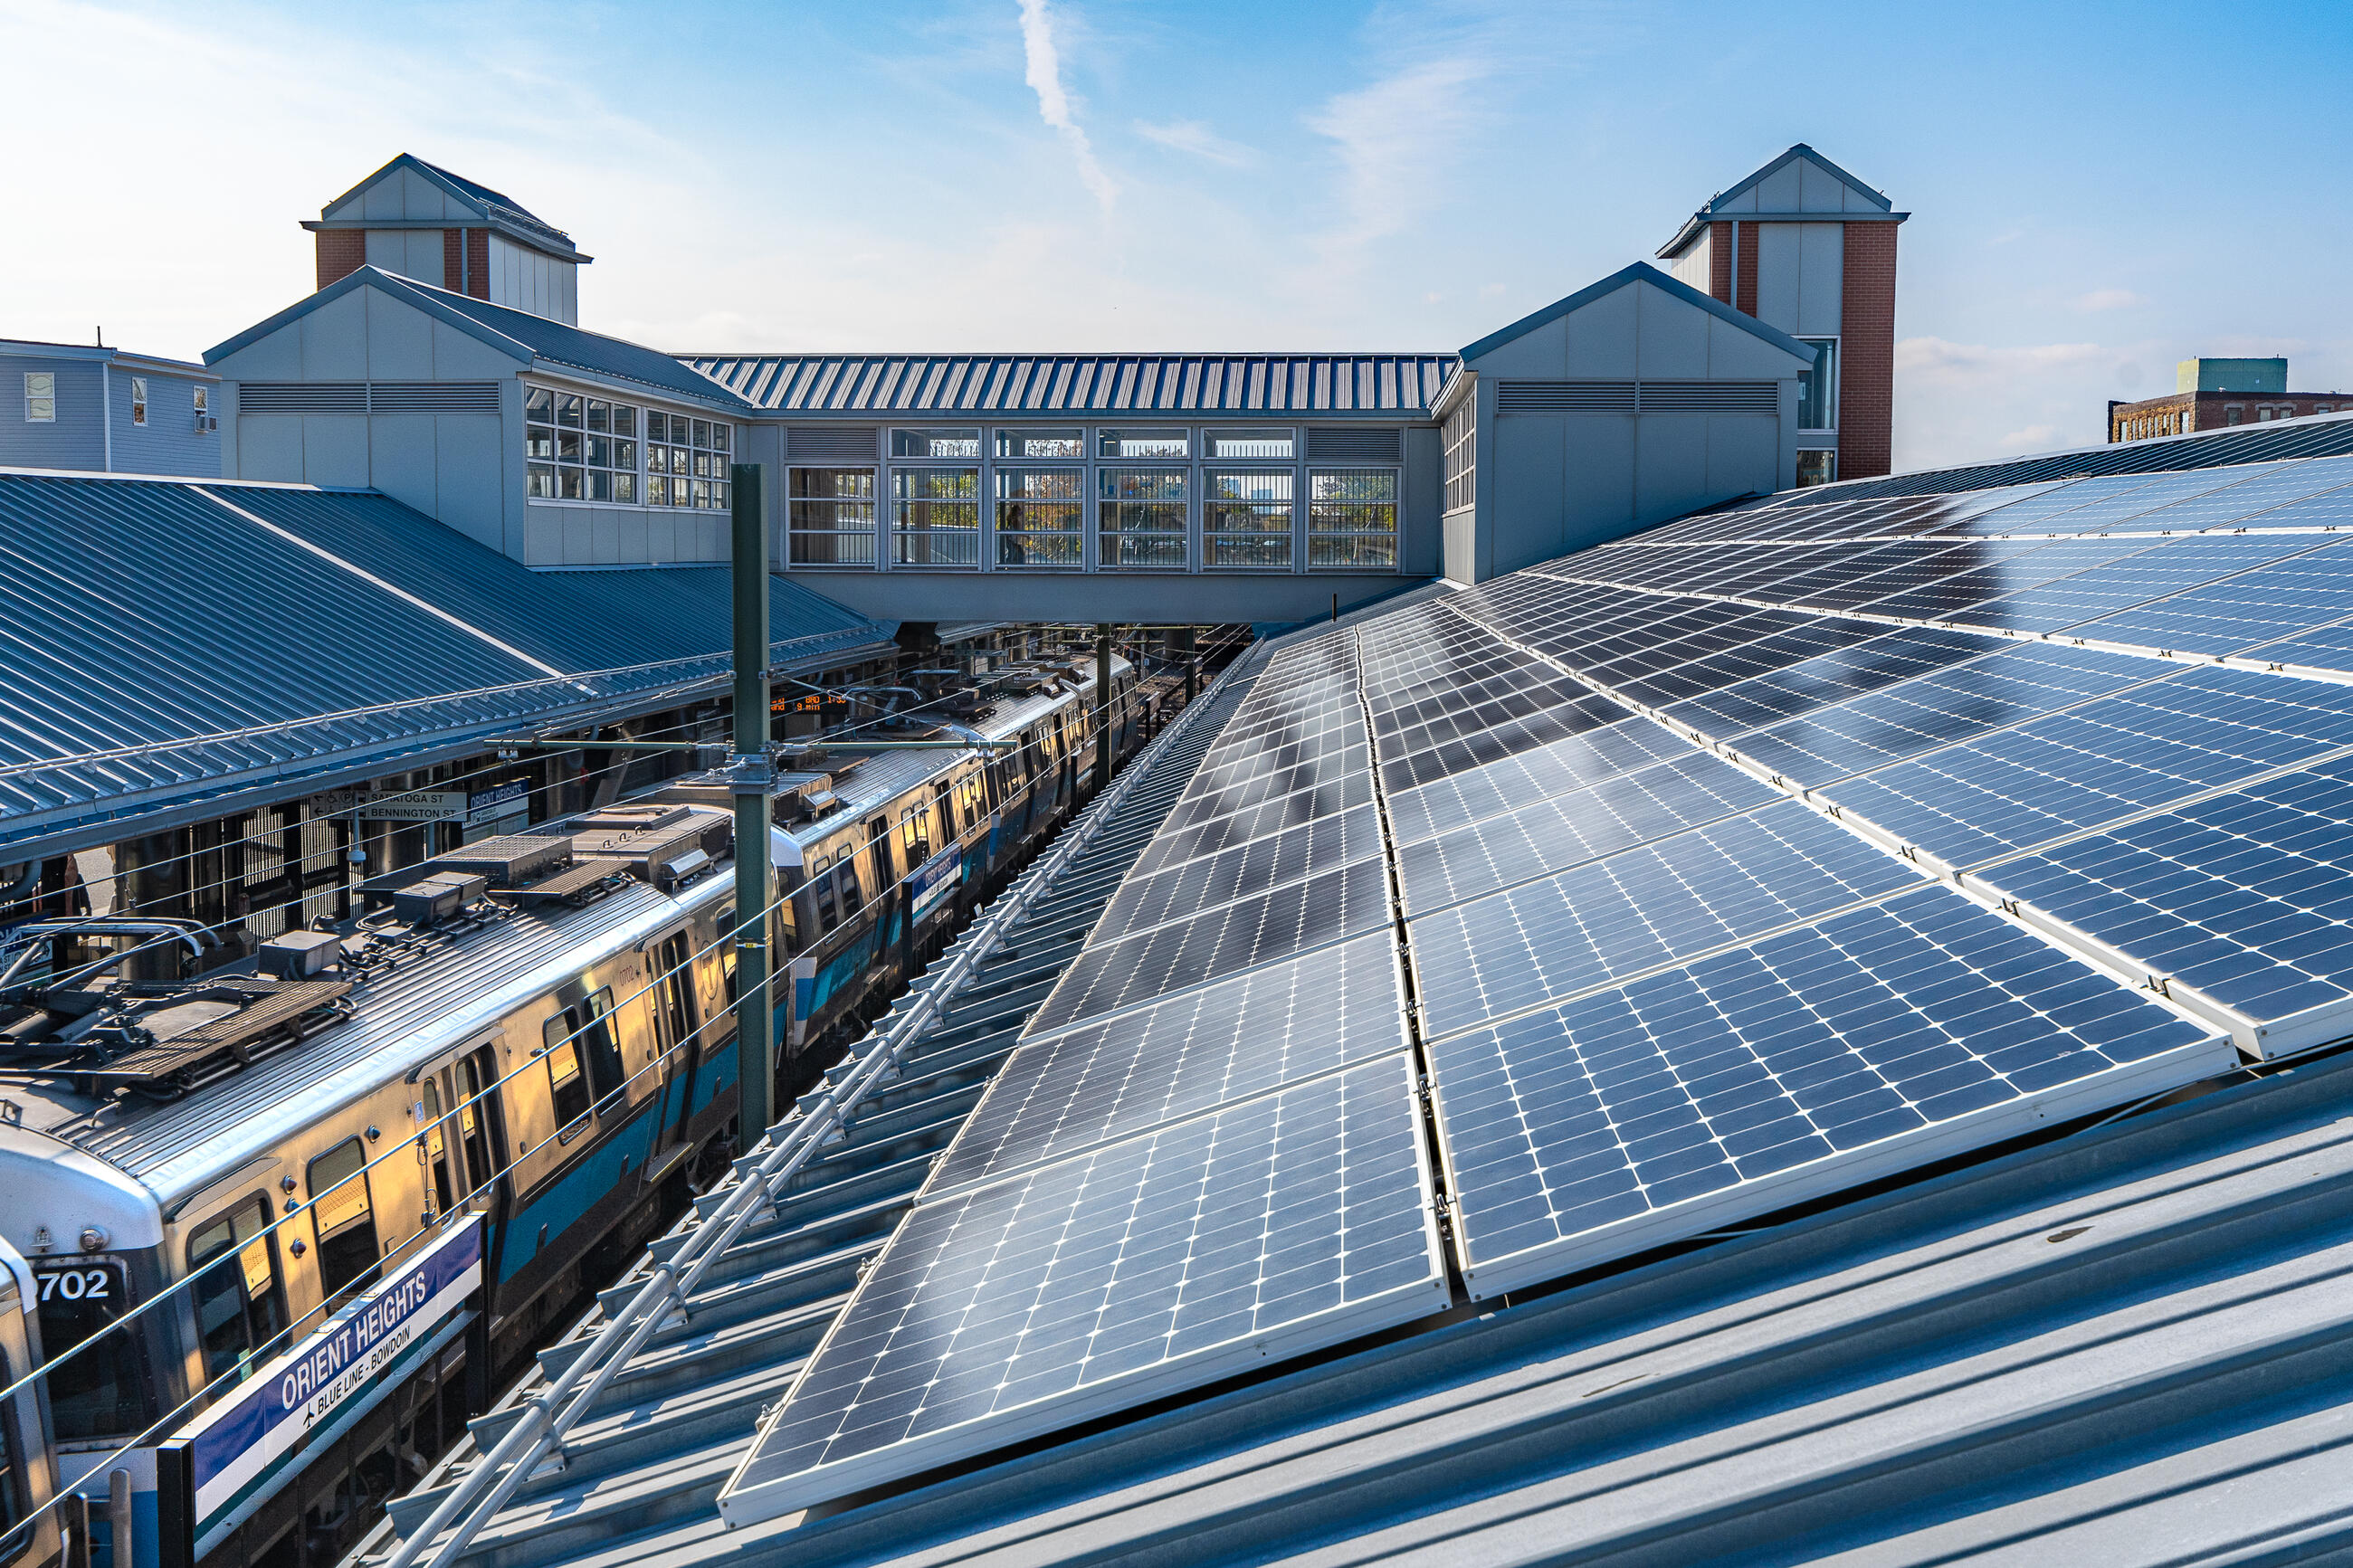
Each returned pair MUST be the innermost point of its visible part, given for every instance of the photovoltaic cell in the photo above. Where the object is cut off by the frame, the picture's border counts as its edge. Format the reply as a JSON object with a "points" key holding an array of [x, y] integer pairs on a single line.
{"points": [[2006, 574], [1806, 1062], [1505, 739], [2272, 602], [2023, 788], [1548, 835], [2169, 567], [1588, 927], [1067, 1093], [1273, 1228], [1258, 929], [1557, 769], [2247, 897], [1835, 677]]}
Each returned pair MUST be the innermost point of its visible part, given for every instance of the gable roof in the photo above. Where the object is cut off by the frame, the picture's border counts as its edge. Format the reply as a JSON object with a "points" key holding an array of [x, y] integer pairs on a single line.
{"points": [[496, 209], [1639, 272], [1714, 206], [1258, 385], [535, 339]]}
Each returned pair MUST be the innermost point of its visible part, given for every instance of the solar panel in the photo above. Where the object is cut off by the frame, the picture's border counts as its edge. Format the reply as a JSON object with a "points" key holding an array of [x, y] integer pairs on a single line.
{"points": [[2169, 567], [1557, 769], [1548, 835], [1253, 867], [1241, 935], [1812, 1060], [1268, 1229], [2248, 897], [1503, 740], [2009, 687], [2055, 776], [1824, 678], [2269, 604], [1063, 1094], [1714, 885], [2010, 571], [1311, 796]]}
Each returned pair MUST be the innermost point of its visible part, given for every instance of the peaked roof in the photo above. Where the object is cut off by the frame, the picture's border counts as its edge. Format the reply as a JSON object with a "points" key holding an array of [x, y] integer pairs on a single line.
{"points": [[496, 209], [1715, 204], [533, 338], [1639, 272]]}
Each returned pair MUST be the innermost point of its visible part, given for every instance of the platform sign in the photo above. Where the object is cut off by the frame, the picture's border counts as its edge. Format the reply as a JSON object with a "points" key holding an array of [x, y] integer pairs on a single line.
{"points": [[415, 805], [936, 878], [245, 1447]]}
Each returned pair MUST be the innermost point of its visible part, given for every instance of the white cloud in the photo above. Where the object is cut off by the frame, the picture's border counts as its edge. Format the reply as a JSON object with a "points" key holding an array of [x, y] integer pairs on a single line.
{"points": [[1043, 63], [1194, 137], [1959, 402], [2107, 300], [1398, 140]]}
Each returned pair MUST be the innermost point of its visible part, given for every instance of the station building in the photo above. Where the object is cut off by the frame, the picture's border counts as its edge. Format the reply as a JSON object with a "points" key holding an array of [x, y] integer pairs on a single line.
{"points": [[441, 361], [2215, 393]]}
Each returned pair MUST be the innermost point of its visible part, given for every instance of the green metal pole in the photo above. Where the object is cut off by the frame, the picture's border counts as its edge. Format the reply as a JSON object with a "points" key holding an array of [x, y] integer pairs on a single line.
{"points": [[754, 1022], [1103, 706]]}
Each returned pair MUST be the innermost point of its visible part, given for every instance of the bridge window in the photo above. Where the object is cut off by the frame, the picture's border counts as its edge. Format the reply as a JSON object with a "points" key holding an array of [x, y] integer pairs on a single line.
{"points": [[1040, 517], [1141, 519], [1352, 519], [936, 443], [1818, 386], [832, 517], [1460, 436], [580, 448], [1034, 445], [1251, 446], [1246, 519], [1132, 444], [686, 461], [935, 517]]}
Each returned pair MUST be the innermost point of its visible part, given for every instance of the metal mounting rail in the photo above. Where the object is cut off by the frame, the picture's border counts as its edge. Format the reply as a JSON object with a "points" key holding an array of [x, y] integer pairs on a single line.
{"points": [[548, 1416]]}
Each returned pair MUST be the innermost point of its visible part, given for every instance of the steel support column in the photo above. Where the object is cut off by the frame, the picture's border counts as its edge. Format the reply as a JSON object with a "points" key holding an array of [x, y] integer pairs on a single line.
{"points": [[755, 1022]]}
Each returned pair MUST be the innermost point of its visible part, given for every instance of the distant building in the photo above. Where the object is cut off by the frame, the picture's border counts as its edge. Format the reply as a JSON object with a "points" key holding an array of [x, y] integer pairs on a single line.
{"points": [[1803, 246], [106, 411], [421, 221], [2210, 393]]}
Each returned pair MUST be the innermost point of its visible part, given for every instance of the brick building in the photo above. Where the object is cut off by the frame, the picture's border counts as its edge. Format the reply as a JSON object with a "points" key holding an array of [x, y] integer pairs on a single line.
{"points": [[1805, 247], [2210, 393]]}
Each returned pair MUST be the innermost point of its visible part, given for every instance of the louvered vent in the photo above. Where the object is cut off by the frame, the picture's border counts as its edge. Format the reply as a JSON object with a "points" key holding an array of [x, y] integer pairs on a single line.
{"points": [[1564, 397], [1375, 446], [829, 444], [368, 397], [1710, 397], [433, 397], [302, 397]]}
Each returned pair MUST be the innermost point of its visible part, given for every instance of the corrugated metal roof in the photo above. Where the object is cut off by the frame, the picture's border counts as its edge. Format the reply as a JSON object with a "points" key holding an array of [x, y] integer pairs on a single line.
{"points": [[161, 647], [1193, 384]]}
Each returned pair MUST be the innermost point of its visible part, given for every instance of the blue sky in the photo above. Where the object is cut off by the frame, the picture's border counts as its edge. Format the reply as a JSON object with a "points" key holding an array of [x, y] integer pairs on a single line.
{"points": [[2099, 190]]}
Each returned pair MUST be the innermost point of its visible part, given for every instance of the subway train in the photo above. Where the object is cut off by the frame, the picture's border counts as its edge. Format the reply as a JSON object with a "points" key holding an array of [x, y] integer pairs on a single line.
{"points": [[304, 1213]]}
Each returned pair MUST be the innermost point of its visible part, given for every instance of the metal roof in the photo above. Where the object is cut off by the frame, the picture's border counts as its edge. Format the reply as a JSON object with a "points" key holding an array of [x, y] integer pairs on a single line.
{"points": [[169, 640], [536, 340], [1708, 210], [1642, 272], [501, 211], [1318, 385]]}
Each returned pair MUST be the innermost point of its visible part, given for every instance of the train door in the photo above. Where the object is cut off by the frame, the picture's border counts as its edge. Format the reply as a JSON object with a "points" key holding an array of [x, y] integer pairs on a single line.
{"points": [[678, 1037], [29, 1531], [239, 1294], [462, 1145]]}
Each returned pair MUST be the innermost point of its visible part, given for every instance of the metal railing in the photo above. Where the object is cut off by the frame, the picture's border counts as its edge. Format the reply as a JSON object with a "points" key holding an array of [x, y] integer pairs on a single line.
{"points": [[551, 1414]]}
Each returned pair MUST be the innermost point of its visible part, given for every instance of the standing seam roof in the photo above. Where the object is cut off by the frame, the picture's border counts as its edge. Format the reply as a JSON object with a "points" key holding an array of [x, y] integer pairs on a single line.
{"points": [[1390, 385]]}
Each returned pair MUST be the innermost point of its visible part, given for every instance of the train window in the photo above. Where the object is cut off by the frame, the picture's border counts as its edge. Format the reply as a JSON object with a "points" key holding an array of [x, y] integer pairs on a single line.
{"points": [[676, 989], [340, 1208], [477, 1122], [13, 1498], [100, 1393], [240, 1305], [583, 1060], [969, 791], [915, 833], [829, 913], [944, 796], [845, 879], [433, 1149], [567, 1086]]}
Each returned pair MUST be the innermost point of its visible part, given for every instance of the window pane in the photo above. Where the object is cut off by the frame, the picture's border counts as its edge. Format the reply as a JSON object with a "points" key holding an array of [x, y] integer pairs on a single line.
{"points": [[600, 416], [541, 483], [539, 442], [568, 409], [625, 486], [539, 402], [1145, 444], [936, 443], [625, 419], [1230, 444], [657, 425], [719, 437], [1818, 387], [1040, 444]]}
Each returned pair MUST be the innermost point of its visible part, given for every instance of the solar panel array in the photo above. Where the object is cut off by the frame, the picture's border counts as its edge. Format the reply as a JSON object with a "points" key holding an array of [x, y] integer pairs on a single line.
{"points": [[1652, 889]]}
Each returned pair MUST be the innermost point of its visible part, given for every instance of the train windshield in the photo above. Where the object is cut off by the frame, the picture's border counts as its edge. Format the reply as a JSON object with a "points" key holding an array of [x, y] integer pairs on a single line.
{"points": [[99, 1392]]}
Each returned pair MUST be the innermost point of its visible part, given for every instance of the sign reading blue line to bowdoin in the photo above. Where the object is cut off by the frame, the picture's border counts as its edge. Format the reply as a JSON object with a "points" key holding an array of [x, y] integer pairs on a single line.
{"points": [[238, 1448]]}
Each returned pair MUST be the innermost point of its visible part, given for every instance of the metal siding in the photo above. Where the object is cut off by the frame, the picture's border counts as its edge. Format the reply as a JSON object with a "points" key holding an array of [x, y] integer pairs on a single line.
{"points": [[76, 439]]}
